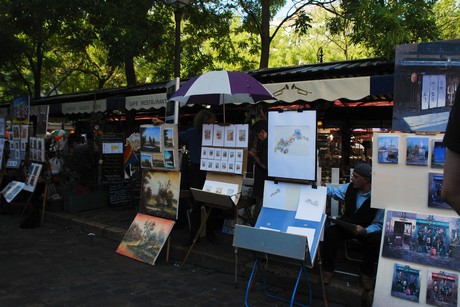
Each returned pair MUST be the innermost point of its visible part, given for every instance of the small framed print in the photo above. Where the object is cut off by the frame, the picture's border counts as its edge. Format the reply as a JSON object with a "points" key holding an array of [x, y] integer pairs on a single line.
{"points": [[388, 149], [217, 166], [217, 153], [435, 181], [239, 155], [231, 155], [223, 167], [218, 136], [224, 154], [417, 151], [238, 168], [438, 154], [204, 165], [204, 152], [207, 135], [211, 153]]}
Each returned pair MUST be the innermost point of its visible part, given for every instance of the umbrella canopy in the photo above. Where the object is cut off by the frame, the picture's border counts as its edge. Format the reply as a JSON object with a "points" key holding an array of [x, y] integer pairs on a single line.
{"points": [[220, 88], [58, 134]]}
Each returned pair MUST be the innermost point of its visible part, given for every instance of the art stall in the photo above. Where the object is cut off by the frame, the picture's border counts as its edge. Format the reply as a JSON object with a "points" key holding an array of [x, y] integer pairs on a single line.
{"points": [[419, 263], [292, 217], [159, 194], [223, 157], [26, 152]]}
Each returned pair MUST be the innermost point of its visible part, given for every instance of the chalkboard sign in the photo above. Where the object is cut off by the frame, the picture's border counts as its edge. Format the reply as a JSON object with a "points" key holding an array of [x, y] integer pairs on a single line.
{"points": [[113, 174], [119, 193], [135, 186]]}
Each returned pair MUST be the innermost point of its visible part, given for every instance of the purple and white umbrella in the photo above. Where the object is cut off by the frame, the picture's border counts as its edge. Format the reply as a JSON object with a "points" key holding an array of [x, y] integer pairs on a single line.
{"points": [[220, 88]]}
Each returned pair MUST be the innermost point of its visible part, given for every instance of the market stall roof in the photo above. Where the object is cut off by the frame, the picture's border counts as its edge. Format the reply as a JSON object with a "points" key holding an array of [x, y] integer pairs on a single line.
{"points": [[367, 80]]}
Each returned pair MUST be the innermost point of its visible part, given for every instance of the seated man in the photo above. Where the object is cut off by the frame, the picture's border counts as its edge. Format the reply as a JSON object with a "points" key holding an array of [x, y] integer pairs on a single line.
{"points": [[361, 222]]}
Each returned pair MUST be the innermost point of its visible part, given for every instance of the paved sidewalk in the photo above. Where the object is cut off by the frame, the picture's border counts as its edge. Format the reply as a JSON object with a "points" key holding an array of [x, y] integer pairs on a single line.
{"points": [[112, 223]]}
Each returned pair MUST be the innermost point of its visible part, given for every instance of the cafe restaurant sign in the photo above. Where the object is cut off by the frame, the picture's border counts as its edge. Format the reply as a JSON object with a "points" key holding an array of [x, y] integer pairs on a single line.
{"points": [[152, 101]]}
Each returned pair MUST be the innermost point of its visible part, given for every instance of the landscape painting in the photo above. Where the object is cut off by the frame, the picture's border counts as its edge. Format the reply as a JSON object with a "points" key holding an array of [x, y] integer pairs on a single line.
{"points": [[145, 238], [160, 193]]}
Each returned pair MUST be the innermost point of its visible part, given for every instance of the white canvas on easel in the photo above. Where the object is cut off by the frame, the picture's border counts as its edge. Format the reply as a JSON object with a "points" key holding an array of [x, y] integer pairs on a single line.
{"points": [[292, 145]]}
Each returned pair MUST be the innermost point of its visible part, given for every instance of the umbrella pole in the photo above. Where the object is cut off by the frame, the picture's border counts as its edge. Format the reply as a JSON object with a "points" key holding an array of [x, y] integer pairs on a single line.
{"points": [[224, 113]]}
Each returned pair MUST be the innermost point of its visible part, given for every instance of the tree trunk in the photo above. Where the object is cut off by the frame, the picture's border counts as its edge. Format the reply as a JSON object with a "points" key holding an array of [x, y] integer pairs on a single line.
{"points": [[129, 71], [38, 72], [265, 34]]}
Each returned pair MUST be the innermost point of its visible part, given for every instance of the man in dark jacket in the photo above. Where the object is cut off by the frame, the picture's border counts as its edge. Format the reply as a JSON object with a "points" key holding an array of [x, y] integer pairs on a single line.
{"points": [[362, 223]]}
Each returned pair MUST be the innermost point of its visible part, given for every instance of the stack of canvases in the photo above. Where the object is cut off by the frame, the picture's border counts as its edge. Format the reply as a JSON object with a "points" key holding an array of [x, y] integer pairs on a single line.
{"points": [[159, 199]]}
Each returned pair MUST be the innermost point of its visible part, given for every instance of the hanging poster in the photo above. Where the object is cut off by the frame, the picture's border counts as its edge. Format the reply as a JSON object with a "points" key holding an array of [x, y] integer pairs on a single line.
{"points": [[292, 145], [145, 238], [20, 110]]}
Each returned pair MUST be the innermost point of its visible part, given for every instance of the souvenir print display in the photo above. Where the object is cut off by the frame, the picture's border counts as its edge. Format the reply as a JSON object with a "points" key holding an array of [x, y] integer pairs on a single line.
{"points": [[159, 147], [160, 193], [287, 208], [417, 151], [242, 135], [435, 181], [32, 176], [442, 288], [12, 189], [421, 238], [438, 154], [406, 282], [388, 149], [225, 188], [37, 149], [223, 148], [145, 238], [18, 139], [292, 145], [312, 203]]}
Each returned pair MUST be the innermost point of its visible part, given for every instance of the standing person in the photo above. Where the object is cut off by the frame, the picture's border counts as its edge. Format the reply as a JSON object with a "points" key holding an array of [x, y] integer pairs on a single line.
{"points": [[365, 224], [259, 155], [451, 185], [196, 177]]}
